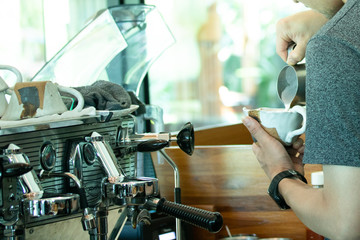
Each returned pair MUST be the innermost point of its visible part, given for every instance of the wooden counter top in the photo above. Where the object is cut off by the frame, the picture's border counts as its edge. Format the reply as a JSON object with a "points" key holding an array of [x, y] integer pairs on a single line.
{"points": [[229, 179]]}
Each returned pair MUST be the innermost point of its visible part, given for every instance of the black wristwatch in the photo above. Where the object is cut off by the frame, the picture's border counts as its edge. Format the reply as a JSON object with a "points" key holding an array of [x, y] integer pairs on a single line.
{"points": [[274, 185]]}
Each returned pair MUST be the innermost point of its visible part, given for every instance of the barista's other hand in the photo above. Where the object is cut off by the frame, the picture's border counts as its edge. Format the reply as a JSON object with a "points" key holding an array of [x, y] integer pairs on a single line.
{"points": [[270, 153], [297, 29]]}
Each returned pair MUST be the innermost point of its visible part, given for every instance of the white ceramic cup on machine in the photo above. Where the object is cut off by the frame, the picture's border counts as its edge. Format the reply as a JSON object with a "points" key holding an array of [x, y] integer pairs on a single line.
{"points": [[4, 88], [284, 125], [38, 99], [3, 102]]}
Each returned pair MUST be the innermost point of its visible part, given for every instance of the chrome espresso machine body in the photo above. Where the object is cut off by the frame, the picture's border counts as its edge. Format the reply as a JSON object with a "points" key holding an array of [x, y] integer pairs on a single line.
{"points": [[80, 180], [77, 178], [68, 174]]}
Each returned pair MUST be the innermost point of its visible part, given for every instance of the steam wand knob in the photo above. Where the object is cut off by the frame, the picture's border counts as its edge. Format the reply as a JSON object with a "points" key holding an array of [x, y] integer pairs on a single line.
{"points": [[185, 138]]}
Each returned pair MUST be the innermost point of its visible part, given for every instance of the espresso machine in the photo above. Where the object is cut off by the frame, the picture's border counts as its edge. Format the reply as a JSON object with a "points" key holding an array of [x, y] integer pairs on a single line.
{"points": [[77, 178], [80, 176]]}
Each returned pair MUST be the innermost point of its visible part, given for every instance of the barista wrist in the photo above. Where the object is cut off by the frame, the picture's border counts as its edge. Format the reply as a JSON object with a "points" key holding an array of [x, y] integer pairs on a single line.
{"points": [[275, 182]]}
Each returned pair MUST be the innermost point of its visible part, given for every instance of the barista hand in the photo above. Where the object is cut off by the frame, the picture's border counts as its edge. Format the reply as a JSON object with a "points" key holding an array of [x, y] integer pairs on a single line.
{"points": [[297, 29], [296, 153], [270, 153]]}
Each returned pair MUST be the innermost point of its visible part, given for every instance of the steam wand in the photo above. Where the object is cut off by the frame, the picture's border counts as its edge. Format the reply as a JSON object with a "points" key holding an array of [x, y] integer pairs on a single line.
{"points": [[186, 142], [185, 139], [177, 190]]}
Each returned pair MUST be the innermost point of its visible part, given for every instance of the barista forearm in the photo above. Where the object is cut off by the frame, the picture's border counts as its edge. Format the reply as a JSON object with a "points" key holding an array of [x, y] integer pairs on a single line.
{"points": [[306, 202], [314, 207]]}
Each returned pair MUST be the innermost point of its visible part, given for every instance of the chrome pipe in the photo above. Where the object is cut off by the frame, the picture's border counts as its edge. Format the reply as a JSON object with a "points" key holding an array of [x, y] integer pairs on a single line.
{"points": [[177, 196], [44, 174]]}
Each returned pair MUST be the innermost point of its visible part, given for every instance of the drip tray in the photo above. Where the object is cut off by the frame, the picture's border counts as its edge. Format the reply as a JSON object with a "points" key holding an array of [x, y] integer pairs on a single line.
{"points": [[52, 205]]}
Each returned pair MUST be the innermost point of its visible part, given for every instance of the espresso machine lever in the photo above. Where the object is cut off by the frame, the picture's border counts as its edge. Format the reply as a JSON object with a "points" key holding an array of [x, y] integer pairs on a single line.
{"points": [[9, 215], [30, 182], [107, 158], [9, 199]]}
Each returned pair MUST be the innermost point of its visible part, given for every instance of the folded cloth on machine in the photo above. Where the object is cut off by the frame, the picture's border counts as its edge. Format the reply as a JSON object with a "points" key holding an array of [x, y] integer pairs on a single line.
{"points": [[135, 100], [104, 95]]}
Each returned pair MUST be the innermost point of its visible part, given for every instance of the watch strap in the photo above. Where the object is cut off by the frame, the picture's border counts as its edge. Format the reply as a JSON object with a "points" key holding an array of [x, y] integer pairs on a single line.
{"points": [[273, 189]]}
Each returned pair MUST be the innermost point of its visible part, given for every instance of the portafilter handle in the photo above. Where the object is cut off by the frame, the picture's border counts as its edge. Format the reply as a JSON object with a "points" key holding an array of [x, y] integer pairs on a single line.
{"points": [[211, 221]]}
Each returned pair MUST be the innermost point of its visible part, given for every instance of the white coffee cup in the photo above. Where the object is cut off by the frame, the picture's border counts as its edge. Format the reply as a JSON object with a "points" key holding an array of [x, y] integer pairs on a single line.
{"points": [[3, 101], [284, 125], [4, 88], [37, 99]]}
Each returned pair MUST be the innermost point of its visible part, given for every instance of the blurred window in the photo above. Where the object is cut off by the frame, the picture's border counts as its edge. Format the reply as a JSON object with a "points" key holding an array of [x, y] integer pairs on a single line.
{"points": [[34, 31], [224, 57]]}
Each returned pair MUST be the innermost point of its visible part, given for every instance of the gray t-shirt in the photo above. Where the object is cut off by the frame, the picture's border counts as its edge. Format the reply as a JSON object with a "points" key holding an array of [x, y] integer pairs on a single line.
{"points": [[333, 90]]}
